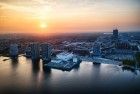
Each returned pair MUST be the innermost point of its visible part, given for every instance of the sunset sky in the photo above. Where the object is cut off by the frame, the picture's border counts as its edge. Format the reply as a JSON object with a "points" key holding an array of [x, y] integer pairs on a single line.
{"points": [[66, 16]]}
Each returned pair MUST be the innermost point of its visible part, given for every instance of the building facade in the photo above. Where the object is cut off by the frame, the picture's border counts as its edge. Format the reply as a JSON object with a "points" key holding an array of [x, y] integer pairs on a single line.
{"points": [[35, 51], [46, 51], [13, 50]]}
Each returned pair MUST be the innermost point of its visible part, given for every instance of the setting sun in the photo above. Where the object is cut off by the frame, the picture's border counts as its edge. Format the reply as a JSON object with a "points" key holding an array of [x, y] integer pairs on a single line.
{"points": [[59, 16], [43, 25]]}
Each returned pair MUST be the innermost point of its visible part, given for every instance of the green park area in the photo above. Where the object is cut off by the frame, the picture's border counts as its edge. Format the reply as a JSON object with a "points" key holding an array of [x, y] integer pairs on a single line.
{"points": [[133, 62], [137, 55], [129, 62]]}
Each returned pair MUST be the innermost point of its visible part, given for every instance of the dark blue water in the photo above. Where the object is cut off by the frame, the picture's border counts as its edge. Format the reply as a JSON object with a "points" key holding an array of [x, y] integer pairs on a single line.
{"points": [[22, 76]]}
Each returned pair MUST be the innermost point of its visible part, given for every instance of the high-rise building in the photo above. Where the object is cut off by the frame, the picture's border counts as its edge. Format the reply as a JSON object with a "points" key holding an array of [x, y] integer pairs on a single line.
{"points": [[13, 50], [35, 51], [46, 51], [28, 51], [115, 33]]}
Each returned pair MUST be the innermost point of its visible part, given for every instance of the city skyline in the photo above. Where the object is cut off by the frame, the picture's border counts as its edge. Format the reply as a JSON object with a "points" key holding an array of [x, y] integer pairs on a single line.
{"points": [[60, 16], [70, 64]]}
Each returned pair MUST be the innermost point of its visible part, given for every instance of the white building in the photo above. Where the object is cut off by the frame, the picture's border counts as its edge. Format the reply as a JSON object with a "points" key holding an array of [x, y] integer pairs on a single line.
{"points": [[65, 56], [13, 50]]}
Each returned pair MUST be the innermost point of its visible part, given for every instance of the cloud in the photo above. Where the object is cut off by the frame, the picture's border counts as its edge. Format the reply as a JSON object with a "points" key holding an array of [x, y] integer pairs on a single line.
{"points": [[70, 3], [73, 2], [32, 9], [37, 6]]}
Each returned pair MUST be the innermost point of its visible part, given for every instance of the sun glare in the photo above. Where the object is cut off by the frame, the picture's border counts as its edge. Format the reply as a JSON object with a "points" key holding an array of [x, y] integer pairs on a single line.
{"points": [[43, 25]]}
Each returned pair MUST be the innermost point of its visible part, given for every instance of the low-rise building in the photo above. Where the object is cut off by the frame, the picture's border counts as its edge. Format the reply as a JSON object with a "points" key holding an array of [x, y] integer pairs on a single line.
{"points": [[97, 50]]}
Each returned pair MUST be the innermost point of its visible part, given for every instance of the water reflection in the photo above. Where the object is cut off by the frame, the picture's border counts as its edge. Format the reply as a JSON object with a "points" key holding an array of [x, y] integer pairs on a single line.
{"points": [[46, 70], [125, 68], [14, 62], [96, 67], [46, 73], [35, 66], [98, 64], [76, 68], [31, 75], [39, 72]]}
